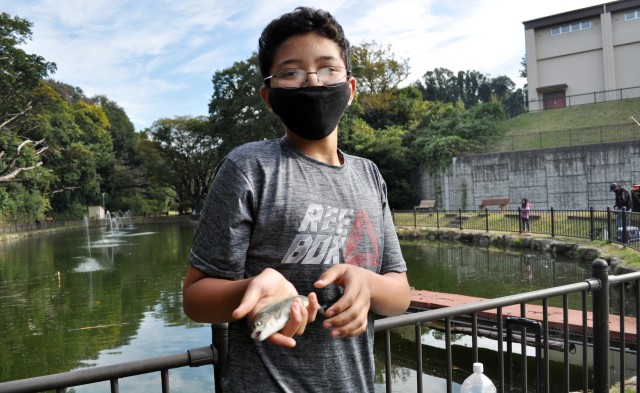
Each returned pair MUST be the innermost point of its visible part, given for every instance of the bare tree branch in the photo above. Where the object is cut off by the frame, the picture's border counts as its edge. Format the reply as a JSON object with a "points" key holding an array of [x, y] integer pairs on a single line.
{"points": [[16, 172], [63, 189], [16, 115], [11, 165]]}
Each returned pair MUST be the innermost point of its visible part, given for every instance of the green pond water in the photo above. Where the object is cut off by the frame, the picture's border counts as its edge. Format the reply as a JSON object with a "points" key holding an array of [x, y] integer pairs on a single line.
{"points": [[79, 298]]}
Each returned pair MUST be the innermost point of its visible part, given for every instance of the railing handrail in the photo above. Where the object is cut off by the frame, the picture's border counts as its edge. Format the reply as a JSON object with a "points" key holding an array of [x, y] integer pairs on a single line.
{"points": [[193, 357], [482, 305], [599, 284], [589, 224]]}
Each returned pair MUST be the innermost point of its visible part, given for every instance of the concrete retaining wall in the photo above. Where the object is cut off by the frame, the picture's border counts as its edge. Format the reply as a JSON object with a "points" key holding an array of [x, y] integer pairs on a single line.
{"points": [[576, 177]]}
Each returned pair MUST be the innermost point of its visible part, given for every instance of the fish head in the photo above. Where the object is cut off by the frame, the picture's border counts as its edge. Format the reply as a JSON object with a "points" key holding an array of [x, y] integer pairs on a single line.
{"points": [[274, 317], [265, 325]]}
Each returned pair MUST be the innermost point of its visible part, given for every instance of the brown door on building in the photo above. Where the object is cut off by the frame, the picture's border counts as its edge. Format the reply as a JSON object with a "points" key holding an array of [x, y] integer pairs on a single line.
{"points": [[554, 99]]}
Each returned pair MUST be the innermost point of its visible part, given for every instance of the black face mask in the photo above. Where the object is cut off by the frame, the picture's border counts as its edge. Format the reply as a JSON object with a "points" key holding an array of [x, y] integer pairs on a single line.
{"points": [[310, 112]]}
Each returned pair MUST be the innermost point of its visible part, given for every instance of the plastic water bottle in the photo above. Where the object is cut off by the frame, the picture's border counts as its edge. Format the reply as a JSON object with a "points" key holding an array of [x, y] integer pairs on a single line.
{"points": [[477, 382]]}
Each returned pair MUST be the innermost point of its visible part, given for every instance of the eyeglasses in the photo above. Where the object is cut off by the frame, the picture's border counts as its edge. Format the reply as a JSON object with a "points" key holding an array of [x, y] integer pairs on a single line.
{"points": [[294, 78]]}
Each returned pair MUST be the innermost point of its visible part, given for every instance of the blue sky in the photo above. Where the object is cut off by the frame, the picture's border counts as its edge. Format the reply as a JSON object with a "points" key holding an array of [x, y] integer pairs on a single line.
{"points": [[155, 58]]}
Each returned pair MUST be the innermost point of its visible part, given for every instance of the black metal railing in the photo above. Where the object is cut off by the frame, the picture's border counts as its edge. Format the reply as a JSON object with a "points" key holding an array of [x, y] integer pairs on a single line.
{"points": [[614, 226], [595, 97], [595, 378], [609, 133], [113, 373]]}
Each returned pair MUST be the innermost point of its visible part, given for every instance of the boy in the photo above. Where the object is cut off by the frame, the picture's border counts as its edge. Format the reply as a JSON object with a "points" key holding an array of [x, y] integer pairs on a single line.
{"points": [[298, 216]]}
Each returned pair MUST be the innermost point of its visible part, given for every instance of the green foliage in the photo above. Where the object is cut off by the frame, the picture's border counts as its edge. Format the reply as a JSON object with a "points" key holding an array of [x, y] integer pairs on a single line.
{"points": [[123, 133], [236, 109], [386, 148], [61, 151], [21, 72], [451, 131], [377, 69], [188, 155], [469, 87], [18, 204]]}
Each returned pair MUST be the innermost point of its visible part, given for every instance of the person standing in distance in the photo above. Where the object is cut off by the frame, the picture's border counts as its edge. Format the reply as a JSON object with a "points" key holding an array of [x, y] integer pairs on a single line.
{"points": [[298, 216], [525, 211], [622, 203]]}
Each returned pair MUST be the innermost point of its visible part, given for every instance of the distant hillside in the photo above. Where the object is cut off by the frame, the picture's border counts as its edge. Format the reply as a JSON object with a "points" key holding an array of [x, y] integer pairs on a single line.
{"points": [[582, 124]]}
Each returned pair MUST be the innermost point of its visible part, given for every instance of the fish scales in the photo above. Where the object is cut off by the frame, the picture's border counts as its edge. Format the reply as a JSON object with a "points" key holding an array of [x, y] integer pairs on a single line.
{"points": [[274, 317]]}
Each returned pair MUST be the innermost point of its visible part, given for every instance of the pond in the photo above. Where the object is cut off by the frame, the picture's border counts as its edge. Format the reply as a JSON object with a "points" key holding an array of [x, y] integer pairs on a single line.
{"points": [[77, 299]]}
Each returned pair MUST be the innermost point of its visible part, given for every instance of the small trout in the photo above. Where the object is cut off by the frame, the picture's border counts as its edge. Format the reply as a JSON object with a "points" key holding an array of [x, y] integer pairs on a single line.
{"points": [[274, 317]]}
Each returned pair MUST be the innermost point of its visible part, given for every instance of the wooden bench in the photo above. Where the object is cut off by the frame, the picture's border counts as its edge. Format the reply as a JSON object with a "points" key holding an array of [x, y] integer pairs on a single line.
{"points": [[503, 203], [427, 204]]}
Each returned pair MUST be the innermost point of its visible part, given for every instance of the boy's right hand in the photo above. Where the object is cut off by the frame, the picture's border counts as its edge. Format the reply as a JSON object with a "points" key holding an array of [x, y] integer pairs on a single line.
{"points": [[268, 287]]}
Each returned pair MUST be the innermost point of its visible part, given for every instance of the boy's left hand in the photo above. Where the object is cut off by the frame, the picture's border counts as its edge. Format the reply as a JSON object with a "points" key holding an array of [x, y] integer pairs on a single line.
{"points": [[348, 317]]}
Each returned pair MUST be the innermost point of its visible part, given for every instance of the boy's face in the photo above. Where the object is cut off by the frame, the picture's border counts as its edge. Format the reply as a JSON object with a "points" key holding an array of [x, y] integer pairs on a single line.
{"points": [[309, 52]]}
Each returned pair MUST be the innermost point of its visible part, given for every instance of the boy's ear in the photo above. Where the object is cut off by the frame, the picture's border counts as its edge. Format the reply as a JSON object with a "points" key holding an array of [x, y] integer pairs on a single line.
{"points": [[264, 94], [352, 86]]}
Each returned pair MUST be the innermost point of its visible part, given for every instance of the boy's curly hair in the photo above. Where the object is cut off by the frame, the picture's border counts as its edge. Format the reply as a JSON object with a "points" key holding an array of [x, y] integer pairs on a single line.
{"points": [[301, 21]]}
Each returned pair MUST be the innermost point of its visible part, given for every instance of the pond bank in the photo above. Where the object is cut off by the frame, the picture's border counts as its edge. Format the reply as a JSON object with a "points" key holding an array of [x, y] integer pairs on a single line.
{"points": [[517, 242]]}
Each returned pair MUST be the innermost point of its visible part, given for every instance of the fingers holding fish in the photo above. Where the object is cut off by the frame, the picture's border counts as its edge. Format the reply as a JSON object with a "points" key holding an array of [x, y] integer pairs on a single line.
{"points": [[282, 320], [294, 326], [266, 288]]}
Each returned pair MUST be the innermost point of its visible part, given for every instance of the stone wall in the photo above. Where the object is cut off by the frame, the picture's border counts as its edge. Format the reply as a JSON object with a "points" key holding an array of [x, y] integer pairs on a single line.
{"points": [[576, 177]]}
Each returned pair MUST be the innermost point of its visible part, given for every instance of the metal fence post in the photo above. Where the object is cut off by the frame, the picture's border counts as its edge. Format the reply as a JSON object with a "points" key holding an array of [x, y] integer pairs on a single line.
{"points": [[553, 223], [220, 340], [608, 224], [625, 229], [415, 218], [592, 229], [520, 219], [600, 270], [486, 218]]}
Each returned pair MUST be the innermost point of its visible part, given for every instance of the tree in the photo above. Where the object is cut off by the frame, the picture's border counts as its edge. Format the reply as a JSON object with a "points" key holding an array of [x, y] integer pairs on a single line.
{"points": [[377, 69], [470, 87], [236, 109], [190, 157], [379, 74], [79, 148], [523, 63], [20, 74], [122, 130], [386, 148], [158, 193], [438, 85]]}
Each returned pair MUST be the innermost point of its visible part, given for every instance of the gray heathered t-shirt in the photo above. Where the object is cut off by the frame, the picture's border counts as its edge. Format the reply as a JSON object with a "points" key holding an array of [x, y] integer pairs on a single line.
{"points": [[271, 206]]}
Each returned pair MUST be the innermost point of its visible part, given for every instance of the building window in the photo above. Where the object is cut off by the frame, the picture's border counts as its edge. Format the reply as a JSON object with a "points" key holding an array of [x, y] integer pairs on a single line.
{"points": [[571, 28], [632, 15]]}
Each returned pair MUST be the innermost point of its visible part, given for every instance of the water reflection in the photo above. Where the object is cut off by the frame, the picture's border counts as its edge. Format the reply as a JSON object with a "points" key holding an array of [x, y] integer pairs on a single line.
{"points": [[60, 308], [63, 307], [480, 272]]}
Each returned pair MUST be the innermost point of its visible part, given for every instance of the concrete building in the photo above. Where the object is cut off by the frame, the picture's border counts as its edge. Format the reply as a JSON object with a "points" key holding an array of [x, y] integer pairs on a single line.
{"points": [[588, 55]]}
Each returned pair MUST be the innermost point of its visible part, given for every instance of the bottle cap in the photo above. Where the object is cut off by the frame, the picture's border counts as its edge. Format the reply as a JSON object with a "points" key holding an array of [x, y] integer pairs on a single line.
{"points": [[478, 368]]}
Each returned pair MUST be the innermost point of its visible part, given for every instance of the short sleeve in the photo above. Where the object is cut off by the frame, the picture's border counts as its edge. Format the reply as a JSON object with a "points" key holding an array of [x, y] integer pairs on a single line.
{"points": [[224, 231]]}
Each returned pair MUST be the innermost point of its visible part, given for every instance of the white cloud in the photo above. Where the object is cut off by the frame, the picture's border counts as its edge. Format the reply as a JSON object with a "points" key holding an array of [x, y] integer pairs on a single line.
{"points": [[156, 58]]}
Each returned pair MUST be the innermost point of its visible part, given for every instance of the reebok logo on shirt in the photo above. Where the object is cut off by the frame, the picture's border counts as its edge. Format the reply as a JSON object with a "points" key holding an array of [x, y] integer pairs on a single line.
{"points": [[325, 231]]}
